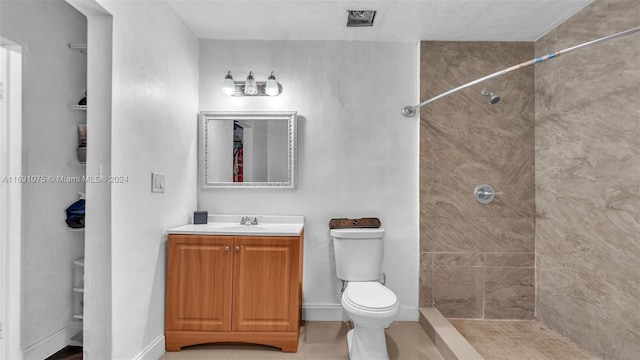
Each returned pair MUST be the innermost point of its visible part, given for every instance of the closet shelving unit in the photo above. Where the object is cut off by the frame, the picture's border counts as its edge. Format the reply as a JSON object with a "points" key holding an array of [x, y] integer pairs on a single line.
{"points": [[78, 289], [78, 264], [80, 47], [78, 107]]}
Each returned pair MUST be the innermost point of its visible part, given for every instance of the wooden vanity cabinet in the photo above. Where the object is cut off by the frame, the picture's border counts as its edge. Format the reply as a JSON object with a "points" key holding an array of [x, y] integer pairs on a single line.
{"points": [[233, 289]]}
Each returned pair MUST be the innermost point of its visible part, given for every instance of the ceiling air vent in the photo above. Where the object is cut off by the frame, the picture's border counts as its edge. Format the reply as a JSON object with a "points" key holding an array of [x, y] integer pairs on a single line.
{"points": [[360, 17]]}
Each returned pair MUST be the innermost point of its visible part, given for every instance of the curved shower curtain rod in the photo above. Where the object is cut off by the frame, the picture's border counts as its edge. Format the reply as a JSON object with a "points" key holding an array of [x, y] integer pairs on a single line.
{"points": [[410, 111]]}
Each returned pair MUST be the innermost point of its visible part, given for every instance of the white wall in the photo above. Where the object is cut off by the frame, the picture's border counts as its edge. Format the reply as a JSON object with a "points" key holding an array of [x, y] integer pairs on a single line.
{"points": [[358, 156], [53, 77], [153, 129]]}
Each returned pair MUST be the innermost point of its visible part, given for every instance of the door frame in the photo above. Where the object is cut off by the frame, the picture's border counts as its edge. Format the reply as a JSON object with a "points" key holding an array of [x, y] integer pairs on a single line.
{"points": [[11, 194]]}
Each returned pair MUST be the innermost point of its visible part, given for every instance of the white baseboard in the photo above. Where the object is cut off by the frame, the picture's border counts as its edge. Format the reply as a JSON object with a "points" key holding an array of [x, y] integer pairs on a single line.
{"points": [[153, 351], [47, 346], [333, 312]]}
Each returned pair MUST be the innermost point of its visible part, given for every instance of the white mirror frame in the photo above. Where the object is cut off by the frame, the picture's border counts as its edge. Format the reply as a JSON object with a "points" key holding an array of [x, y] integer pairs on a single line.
{"points": [[206, 116]]}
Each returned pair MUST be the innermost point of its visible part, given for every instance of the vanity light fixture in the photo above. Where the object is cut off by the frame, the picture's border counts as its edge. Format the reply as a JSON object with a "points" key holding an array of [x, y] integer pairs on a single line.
{"points": [[228, 86], [251, 87], [271, 88]]}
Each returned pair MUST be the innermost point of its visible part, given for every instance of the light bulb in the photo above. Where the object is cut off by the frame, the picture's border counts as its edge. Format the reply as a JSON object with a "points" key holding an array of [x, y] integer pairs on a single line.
{"points": [[272, 86], [228, 86], [250, 86]]}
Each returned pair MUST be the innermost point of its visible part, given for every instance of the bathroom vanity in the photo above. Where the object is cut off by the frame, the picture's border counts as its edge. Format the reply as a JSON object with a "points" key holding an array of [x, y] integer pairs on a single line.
{"points": [[235, 283]]}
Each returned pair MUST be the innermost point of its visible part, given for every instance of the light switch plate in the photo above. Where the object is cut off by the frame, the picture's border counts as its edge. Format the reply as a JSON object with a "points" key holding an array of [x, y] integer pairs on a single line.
{"points": [[157, 182]]}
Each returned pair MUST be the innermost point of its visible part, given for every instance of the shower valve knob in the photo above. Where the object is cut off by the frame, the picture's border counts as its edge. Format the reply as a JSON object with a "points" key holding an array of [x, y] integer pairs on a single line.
{"points": [[485, 194]]}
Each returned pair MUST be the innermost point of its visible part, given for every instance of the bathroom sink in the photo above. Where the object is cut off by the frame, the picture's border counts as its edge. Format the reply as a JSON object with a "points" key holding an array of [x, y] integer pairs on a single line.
{"points": [[246, 228], [268, 225]]}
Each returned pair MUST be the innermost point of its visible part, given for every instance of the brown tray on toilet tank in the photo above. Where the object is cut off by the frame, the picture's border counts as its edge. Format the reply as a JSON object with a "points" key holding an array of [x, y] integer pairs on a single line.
{"points": [[343, 223]]}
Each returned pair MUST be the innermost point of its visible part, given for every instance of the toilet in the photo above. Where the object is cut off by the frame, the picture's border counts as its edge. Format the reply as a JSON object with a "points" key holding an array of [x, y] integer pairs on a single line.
{"points": [[370, 305]]}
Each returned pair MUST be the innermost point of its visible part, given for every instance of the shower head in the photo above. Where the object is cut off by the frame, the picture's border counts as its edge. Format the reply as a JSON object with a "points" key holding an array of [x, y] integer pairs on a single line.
{"points": [[494, 98]]}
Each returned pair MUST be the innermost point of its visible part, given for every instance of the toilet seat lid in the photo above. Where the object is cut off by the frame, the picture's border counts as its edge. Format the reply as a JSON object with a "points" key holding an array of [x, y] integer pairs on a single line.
{"points": [[370, 296]]}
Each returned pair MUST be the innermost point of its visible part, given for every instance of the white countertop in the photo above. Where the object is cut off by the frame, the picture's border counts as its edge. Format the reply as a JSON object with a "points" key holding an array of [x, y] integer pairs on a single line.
{"points": [[268, 225]]}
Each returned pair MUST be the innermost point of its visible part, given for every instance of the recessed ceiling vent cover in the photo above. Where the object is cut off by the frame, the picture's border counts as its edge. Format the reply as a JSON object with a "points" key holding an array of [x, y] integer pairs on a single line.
{"points": [[360, 17]]}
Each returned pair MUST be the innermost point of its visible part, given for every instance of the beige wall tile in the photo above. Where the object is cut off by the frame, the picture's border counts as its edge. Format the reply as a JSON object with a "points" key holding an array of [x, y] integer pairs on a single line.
{"points": [[426, 280], [588, 181], [509, 293], [476, 234], [504, 259], [454, 199], [458, 291], [466, 142], [457, 259]]}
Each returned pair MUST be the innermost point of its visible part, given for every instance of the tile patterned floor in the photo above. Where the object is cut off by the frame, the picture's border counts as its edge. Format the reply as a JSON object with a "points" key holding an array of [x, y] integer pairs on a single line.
{"points": [[518, 340], [320, 340]]}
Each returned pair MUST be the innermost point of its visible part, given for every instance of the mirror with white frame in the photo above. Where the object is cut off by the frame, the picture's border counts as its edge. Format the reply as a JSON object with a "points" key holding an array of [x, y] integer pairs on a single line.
{"points": [[241, 149]]}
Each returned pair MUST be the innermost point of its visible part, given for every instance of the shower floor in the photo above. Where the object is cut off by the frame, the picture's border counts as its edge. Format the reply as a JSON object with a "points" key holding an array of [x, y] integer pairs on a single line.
{"points": [[518, 339]]}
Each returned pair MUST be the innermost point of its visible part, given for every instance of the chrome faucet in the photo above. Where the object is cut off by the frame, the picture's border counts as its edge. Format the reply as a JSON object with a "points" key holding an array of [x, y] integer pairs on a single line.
{"points": [[246, 220]]}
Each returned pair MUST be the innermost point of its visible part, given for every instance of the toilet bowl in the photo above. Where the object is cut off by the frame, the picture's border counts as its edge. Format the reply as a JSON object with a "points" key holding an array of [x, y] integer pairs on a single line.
{"points": [[372, 307]]}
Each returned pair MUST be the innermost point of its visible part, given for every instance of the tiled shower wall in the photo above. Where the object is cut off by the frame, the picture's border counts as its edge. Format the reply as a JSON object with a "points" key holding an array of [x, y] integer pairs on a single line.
{"points": [[477, 261], [588, 181]]}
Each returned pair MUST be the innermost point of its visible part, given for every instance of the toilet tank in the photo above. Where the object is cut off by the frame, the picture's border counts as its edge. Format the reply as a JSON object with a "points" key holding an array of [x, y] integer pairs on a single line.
{"points": [[358, 253]]}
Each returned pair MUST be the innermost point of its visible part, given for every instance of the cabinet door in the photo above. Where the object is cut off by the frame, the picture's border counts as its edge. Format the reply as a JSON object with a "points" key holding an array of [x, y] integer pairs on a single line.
{"points": [[199, 283], [266, 283]]}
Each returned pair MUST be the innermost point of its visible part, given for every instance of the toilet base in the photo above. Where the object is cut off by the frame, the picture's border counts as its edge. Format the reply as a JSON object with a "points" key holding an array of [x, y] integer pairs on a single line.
{"points": [[367, 344]]}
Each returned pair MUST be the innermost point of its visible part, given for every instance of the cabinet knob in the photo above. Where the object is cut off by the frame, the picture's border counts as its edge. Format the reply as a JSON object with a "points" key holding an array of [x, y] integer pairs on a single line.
{"points": [[227, 248], [237, 248]]}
